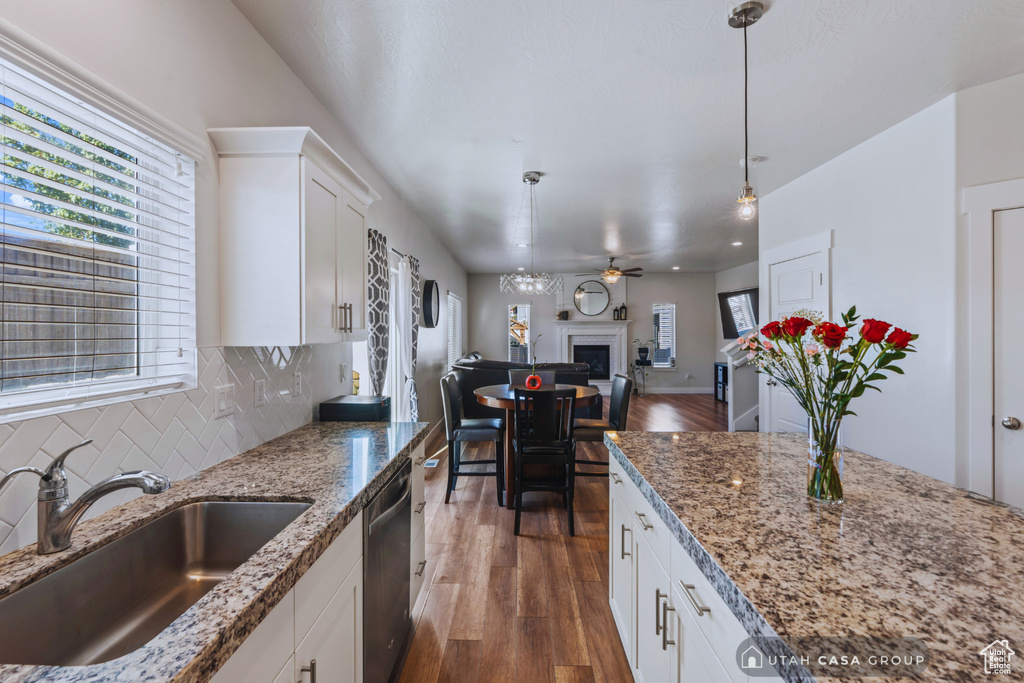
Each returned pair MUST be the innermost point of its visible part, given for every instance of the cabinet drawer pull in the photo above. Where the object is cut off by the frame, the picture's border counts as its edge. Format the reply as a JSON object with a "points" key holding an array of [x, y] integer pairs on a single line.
{"points": [[419, 508], [701, 609], [665, 609], [616, 478], [643, 521], [622, 544], [422, 566], [311, 670], [658, 595]]}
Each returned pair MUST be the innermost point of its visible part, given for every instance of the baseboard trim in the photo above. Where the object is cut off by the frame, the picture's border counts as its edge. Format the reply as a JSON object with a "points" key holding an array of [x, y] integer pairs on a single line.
{"points": [[680, 390]]}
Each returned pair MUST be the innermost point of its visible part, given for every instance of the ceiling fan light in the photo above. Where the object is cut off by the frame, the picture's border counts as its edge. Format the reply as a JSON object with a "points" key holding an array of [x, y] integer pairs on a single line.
{"points": [[611, 278]]}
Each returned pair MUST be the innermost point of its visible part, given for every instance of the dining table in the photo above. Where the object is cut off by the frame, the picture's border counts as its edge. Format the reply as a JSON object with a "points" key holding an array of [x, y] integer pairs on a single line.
{"points": [[503, 396]]}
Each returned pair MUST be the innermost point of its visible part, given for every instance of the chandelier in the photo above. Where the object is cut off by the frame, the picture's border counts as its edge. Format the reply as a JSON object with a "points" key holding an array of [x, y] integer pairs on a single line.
{"points": [[532, 282]]}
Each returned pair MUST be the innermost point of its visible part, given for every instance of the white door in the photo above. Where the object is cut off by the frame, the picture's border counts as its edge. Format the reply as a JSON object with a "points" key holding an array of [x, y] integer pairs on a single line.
{"points": [[796, 283], [1008, 380]]}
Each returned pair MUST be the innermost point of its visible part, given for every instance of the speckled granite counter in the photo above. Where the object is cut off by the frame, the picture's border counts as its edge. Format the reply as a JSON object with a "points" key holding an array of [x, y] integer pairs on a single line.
{"points": [[905, 555], [337, 466]]}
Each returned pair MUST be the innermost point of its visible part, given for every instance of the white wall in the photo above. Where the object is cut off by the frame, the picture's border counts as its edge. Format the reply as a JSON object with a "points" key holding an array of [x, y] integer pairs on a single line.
{"points": [[201, 65], [693, 294], [891, 205], [740, 277]]}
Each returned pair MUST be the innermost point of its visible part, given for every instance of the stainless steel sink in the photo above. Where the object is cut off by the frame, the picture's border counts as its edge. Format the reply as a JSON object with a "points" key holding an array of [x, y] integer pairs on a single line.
{"points": [[119, 597]]}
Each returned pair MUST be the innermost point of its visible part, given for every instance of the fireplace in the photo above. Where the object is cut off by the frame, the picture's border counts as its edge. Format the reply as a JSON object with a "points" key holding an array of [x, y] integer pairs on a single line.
{"points": [[597, 356]]}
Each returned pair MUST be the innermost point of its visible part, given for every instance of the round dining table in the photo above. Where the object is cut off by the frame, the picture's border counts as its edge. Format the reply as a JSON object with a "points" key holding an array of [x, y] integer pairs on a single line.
{"points": [[502, 396]]}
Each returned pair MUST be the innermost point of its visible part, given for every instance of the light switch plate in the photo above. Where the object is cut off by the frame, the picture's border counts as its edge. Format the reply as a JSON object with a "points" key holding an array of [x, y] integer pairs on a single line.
{"points": [[224, 400], [297, 383], [260, 397]]}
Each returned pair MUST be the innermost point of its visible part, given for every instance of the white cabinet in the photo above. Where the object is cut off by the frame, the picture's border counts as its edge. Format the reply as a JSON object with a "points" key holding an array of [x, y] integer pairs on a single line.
{"points": [[333, 647], [695, 661], [293, 239], [655, 646], [620, 568], [418, 554], [267, 649]]}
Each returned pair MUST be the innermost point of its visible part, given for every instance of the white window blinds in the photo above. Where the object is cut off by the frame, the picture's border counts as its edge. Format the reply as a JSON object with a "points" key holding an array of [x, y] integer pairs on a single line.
{"points": [[664, 355], [98, 265], [455, 350]]}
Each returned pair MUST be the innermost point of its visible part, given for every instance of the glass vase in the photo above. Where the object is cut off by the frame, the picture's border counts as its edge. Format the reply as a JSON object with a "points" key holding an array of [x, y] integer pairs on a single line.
{"points": [[825, 460]]}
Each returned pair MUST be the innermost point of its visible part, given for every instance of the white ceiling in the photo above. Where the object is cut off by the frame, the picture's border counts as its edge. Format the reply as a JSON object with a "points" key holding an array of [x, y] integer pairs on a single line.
{"points": [[631, 108]]}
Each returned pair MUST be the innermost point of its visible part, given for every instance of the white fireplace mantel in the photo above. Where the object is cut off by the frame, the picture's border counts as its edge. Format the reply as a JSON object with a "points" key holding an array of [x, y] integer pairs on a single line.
{"points": [[612, 331]]}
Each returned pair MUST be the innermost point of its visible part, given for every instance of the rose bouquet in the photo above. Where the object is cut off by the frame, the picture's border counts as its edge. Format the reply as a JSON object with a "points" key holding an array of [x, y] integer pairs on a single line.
{"points": [[825, 366]]}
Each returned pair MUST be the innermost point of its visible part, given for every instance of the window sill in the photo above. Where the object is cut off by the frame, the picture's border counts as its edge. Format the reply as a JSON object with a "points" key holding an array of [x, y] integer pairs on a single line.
{"points": [[70, 405]]}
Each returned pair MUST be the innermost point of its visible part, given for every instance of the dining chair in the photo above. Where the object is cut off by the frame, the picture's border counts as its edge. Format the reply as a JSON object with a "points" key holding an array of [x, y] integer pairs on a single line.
{"points": [[544, 436], [460, 430], [547, 377], [593, 430]]}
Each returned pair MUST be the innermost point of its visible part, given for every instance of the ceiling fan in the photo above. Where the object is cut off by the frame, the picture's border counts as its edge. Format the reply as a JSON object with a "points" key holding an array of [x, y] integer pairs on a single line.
{"points": [[612, 273]]}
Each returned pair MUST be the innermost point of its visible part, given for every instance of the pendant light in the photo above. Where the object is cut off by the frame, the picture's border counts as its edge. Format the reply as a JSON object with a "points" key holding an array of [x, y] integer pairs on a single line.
{"points": [[532, 282], [743, 16]]}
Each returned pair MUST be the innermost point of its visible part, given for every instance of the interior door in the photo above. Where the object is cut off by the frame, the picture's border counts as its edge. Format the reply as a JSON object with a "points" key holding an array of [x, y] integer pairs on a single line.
{"points": [[1008, 380], [796, 283]]}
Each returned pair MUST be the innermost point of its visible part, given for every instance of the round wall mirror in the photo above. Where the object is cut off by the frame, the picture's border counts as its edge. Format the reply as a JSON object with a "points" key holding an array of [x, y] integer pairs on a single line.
{"points": [[591, 297]]}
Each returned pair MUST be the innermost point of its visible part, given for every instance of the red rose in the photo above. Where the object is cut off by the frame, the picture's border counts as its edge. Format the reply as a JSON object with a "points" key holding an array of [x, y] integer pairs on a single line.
{"points": [[900, 338], [874, 330], [830, 334], [772, 330], [795, 326]]}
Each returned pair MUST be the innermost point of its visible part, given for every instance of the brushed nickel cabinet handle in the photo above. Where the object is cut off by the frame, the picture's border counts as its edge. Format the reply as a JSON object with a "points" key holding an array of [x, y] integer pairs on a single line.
{"points": [[643, 521], [311, 670], [701, 609], [622, 544], [658, 595], [616, 478], [665, 609], [422, 566], [419, 508]]}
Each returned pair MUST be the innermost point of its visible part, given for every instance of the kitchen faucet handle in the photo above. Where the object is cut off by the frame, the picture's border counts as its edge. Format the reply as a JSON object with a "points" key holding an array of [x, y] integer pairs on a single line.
{"points": [[20, 470], [56, 469]]}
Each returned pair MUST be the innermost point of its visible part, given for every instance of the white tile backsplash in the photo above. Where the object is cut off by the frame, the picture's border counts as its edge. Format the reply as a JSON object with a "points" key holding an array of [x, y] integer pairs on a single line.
{"points": [[174, 434]]}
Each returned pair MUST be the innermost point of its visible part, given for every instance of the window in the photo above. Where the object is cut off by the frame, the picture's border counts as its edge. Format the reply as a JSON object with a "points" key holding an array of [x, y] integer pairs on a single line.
{"points": [[455, 349], [519, 333], [98, 262], [664, 355]]}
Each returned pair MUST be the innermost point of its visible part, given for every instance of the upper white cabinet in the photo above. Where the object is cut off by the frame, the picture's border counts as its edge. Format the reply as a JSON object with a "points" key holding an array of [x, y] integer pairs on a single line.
{"points": [[292, 239]]}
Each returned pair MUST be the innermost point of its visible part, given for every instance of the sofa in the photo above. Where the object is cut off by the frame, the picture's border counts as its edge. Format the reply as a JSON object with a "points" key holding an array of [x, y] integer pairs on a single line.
{"points": [[473, 372]]}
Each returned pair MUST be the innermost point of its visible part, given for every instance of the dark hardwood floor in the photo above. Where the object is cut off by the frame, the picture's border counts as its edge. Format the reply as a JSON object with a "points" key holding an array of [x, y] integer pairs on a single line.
{"points": [[532, 608]]}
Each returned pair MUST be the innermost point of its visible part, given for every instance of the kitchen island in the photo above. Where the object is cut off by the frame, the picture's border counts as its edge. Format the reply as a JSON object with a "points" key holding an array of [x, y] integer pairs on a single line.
{"points": [[720, 525], [337, 467]]}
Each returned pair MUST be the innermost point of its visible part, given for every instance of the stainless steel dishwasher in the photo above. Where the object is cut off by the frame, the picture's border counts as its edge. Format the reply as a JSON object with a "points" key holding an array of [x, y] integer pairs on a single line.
{"points": [[387, 624]]}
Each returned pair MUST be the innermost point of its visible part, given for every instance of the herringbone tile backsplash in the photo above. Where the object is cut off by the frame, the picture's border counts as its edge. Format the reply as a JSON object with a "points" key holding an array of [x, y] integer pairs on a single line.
{"points": [[175, 434]]}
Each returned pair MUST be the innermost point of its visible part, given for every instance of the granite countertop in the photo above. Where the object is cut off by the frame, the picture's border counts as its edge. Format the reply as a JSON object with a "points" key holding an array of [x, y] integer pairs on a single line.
{"points": [[904, 556], [336, 466]]}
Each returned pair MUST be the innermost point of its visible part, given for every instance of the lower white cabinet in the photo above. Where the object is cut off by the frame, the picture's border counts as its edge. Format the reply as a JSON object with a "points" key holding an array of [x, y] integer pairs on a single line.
{"points": [[655, 643], [694, 659], [334, 644], [418, 554], [266, 651], [620, 567]]}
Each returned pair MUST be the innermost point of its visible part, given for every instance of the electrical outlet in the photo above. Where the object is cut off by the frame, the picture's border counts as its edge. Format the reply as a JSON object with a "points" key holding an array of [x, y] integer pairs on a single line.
{"points": [[687, 377], [260, 397], [297, 383], [224, 400]]}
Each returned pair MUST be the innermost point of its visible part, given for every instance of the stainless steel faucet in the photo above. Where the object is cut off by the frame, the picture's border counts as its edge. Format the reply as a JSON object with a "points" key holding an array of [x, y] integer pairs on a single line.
{"points": [[58, 515]]}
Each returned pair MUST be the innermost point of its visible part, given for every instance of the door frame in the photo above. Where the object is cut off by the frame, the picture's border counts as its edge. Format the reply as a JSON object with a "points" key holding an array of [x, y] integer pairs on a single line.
{"points": [[980, 203], [813, 244]]}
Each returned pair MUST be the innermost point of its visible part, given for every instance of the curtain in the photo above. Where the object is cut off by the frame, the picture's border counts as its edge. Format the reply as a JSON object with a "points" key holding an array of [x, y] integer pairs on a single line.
{"points": [[417, 302], [378, 287], [403, 329]]}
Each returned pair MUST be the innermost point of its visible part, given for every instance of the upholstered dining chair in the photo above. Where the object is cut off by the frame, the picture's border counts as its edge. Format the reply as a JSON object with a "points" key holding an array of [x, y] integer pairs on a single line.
{"points": [[593, 430], [543, 436], [460, 430], [547, 377]]}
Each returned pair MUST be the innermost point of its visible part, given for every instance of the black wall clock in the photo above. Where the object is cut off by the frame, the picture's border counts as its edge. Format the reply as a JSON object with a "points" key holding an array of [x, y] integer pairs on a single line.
{"points": [[431, 303]]}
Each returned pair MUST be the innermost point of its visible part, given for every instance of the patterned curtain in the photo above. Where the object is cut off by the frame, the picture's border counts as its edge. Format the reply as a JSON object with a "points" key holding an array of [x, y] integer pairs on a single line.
{"points": [[417, 297], [378, 284]]}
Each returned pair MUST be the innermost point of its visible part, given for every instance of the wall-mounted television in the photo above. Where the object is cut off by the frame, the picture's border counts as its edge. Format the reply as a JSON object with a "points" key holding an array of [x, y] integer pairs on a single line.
{"points": [[739, 312]]}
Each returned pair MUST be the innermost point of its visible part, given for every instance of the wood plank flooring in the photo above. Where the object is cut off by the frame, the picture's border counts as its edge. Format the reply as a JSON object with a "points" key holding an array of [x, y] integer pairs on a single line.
{"points": [[497, 608]]}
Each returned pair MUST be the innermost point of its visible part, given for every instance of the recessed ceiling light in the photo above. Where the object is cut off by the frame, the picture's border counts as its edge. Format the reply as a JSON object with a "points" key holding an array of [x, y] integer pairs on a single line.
{"points": [[520, 268], [675, 267], [737, 244], [522, 245]]}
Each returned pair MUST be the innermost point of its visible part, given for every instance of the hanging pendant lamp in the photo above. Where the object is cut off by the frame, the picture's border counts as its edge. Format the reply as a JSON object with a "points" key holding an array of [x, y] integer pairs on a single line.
{"points": [[532, 282], [743, 16]]}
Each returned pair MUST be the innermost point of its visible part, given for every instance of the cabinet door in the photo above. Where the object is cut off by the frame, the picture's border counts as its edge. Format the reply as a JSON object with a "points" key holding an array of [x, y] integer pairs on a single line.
{"points": [[351, 257], [620, 571], [695, 661], [336, 639], [653, 660], [323, 206], [266, 650]]}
